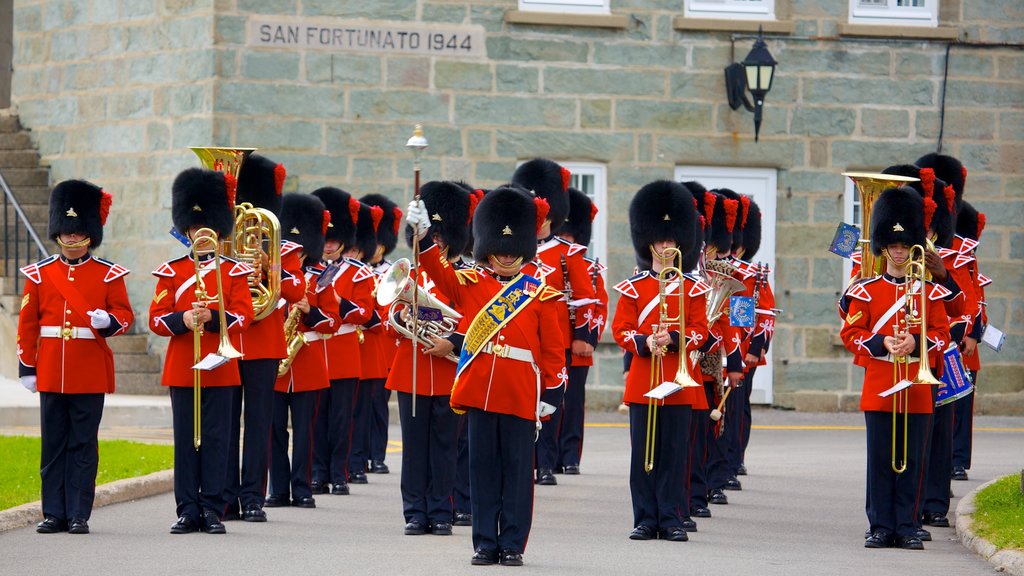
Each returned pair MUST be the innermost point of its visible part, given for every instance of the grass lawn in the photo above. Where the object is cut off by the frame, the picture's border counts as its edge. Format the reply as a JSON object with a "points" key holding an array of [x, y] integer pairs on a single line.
{"points": [[119, 459], [1000, 513]]}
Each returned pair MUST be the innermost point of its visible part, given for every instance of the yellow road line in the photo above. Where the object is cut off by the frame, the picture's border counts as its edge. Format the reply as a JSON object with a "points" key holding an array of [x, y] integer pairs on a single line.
{"points": [[800, 427]]}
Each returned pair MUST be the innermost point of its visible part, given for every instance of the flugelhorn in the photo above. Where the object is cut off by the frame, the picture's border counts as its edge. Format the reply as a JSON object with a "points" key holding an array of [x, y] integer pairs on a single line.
{"points": [[396, 289], [870, 186]]}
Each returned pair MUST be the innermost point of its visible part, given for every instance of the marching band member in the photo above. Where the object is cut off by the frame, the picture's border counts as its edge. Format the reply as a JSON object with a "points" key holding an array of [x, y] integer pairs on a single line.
{"points": [[387, 239], [661, 216], [71, 304], [577, 230], [201, 200], [259, 183], [310, 319], [353, 283], [429, 449], [510, 355], [562, 266], [878, 328]]}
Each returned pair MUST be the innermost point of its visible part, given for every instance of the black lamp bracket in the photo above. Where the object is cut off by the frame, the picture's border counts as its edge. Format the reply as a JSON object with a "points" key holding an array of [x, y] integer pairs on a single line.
{"points": [[736, 87]]}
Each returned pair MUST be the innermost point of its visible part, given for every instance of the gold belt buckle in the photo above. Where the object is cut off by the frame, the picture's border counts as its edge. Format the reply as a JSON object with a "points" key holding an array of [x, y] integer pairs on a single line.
{"points": [[67, 333], [497, 350]]}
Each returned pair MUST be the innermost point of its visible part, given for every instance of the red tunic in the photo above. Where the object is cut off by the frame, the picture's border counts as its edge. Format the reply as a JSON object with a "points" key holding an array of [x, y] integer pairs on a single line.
{"points": [[552, 254], [596, 319], [174, 295], [354, 286], [372, 336], [635, 317], [495, 382], [966, 266], [56, 342], [866, 327], [757, 338], [265, 338], [309, 368]]}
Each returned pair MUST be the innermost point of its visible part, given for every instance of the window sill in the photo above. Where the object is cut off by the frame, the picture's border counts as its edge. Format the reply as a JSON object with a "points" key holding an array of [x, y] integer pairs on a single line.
{"points": [[562, 19], [721, 25], [895, 31]]}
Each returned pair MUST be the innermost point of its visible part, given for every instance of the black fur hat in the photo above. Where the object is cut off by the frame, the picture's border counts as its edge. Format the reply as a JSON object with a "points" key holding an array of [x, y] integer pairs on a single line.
{"points": [[344, 209], [723, 222], [737, 227], [370, 218], [752, 231], [970, 223], [711, 207], [897, 217], [506, 223], [206, 198], [303, 222], [928, 186], [580, 222], [78, 207], [448, 206], [260, 182], [548, 180], [946, 168], [387, 231], [662, 210]]}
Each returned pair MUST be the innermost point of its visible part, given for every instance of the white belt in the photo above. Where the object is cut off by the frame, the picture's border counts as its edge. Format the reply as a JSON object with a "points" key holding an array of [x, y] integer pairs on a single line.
{"points": [[506, 351], [314, 336], [66, 332], [346, 329]]}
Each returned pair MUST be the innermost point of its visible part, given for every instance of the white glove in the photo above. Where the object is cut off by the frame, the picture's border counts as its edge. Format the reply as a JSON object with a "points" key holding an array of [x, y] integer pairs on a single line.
{"points": [[100, 319], [29, 382], [416, 216]]}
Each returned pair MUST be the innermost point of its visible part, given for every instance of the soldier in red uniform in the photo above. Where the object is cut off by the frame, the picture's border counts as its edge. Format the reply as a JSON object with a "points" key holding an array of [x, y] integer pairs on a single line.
{"points": [[353, 283], [314, 317], [877, 327], [382, 341], [661, 216], [262, 343], [509, 356], [200, 199], [577, 230], [72, 303], [429, 440], [561, 265]]}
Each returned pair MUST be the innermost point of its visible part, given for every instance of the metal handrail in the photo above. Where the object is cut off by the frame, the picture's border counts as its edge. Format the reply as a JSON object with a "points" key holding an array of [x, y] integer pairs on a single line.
{"points": [[30, 237]]}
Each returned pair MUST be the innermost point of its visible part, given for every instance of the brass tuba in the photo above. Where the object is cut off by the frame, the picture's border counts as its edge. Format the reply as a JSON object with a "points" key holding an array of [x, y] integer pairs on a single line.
{"points": [[396, 289], [870, 186], [257, 232], [719, 274]]}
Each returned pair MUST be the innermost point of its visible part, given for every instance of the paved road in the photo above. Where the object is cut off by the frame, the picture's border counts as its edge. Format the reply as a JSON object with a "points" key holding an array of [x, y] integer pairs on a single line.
{"points": [[801, 512]]}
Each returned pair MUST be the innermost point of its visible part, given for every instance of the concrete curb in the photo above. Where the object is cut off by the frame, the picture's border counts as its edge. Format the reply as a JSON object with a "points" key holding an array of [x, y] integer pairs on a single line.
{"points": [[1006, 561], [106, 494]]}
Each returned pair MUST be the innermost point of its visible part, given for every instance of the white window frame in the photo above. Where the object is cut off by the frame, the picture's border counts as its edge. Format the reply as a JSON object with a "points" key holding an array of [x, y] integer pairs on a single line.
{"points": [[566, 6], [599, 172], [730, 9], [851, 215], [893, 15]]}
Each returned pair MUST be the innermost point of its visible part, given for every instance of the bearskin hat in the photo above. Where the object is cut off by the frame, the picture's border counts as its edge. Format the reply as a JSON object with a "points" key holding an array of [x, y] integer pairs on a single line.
{"points": [[79, 207], [929, 186], [752, 231], [304, 221], [344, 209], [448, 206], [506, 223], [897, 217], [260, 181], [204, 198], [712, 207], [548, 180], [390, 222], [723, 222], [662, 210], [370, 218], [947, 168], [737, 227], [580, 222], [969, 222]]}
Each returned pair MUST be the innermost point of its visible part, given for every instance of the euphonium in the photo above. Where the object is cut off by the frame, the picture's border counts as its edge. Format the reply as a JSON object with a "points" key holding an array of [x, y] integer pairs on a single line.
{"points": [[396, 289], [870, 187], [719, 274]]}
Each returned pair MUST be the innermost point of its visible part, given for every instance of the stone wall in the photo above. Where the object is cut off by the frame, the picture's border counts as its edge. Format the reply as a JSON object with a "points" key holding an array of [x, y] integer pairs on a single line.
{"points": [[115, 91]]}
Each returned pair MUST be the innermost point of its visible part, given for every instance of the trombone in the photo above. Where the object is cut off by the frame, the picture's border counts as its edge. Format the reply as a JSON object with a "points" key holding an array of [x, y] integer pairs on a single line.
{"points": [[682, 377], [206, 236]]}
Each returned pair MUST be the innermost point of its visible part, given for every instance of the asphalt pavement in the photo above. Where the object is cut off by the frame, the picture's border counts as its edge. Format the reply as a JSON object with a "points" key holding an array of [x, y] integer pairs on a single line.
{"points": [[801, 511]]}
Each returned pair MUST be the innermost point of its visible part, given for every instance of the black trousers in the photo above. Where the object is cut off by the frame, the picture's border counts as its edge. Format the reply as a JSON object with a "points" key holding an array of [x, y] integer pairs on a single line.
{"points": [[700, 430], [660, 497], [429, 455], [718, 466], [940, 460], [299, 473], [547, 442], [501, 479], [963, 427], [748, 421], [570, 437], [70, 456], [257, 389], [362, 416], [461, 497], [199, 475], [379, 420], [332, 431], [892, 498]]}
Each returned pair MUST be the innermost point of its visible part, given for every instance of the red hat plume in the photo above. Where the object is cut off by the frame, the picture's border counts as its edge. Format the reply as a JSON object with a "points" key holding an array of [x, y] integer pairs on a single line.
{"points": [[353, 209], [279, 175], [731, 208], [231, 186], [566, 177], [326, 222], [106, 199], [474, 199], [593, 211], [709, 205], [745, 202], [376, 215], [542, 211], [950, 195], [927, 176], [981, 223], [929, 211], [397, 219]]}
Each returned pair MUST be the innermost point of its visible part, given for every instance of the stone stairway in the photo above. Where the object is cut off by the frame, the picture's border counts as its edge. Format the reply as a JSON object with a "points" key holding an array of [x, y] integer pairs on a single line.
{"points": [[138, 371]]}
